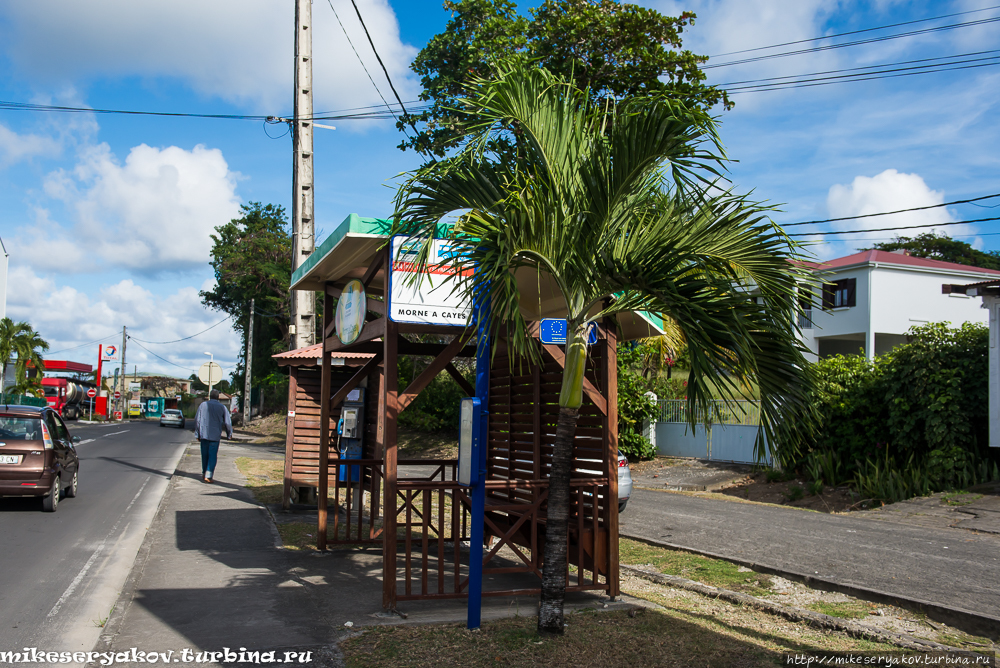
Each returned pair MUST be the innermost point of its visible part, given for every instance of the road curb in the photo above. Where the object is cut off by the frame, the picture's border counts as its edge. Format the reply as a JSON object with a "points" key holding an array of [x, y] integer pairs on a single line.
{"points": [[970, 622], [816, 619], [117, 617]]}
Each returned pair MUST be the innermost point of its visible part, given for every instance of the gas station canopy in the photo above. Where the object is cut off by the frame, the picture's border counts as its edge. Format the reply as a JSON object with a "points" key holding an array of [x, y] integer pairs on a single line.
{"points": [[351, 248]]}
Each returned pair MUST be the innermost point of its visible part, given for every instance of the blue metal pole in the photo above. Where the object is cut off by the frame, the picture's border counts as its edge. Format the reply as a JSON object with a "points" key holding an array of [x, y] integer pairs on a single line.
{"points": [[478, 491]]}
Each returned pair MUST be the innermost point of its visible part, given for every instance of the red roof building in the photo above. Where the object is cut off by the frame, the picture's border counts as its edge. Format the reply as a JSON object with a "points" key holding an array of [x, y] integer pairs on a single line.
{"points": [[867, 302]]}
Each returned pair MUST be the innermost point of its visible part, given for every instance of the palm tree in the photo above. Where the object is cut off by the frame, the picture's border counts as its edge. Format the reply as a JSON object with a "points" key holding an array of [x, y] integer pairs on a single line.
{"points": [[20, 339], [612, 203]]}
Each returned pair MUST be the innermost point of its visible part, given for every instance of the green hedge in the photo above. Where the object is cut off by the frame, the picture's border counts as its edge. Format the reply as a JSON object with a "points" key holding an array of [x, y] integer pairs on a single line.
{"points": [[910, 422]]}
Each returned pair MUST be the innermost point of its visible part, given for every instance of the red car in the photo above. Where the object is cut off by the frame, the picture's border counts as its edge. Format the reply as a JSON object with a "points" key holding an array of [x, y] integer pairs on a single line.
{"points": [[37, 455]]}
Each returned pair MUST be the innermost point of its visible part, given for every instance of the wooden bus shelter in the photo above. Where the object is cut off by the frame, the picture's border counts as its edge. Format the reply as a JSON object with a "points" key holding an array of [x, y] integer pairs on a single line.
{"points": [[415, 509]]}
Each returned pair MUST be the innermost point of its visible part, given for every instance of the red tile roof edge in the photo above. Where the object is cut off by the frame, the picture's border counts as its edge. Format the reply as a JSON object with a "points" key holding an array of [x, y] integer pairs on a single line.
{"points": [[885, 257], [316, 350]]}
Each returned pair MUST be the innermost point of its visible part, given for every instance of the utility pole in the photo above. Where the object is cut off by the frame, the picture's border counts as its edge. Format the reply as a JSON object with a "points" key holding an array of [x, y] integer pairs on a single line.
{"points": [[121, 402], [303, 302], [246, 367]]}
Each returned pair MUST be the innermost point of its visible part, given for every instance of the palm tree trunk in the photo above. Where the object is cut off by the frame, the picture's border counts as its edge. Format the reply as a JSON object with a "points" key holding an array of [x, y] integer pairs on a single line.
{"points": [[554, 569]]}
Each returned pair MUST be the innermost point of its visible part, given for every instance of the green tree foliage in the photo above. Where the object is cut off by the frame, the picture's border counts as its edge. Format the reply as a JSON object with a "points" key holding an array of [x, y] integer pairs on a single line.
{"points": [[436, 408], [913, 420], [941, 247], [251, 257], [21, 343], [614, 49]]}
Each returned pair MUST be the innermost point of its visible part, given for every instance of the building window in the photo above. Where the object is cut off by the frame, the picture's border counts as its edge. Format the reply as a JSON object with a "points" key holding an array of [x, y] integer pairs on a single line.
{"points": [[840, 294]]}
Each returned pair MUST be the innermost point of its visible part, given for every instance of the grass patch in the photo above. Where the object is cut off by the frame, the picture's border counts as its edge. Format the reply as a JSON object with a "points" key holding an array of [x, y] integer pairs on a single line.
{"points": [[844, 609], [265, 477], [667, 637], [715, 572], [959, 498], [412, 444]]}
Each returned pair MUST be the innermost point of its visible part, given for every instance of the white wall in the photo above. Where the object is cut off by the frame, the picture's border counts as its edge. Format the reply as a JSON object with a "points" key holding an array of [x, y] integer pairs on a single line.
{"points": [[902, 298], [890, 299]]}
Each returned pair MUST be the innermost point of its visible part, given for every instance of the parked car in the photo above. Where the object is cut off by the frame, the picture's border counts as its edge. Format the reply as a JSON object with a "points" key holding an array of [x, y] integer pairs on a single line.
{"points": [[624, 482], [37, 455], [172, 418]]}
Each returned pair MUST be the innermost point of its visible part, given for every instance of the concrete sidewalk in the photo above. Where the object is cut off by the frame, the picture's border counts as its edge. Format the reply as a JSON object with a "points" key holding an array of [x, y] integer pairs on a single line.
{"points": [[951, 573], [210, 575]]}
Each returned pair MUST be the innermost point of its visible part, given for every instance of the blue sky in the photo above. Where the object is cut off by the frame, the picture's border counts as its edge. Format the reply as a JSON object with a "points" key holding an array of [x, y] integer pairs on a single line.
{"points": [[107, 218]]}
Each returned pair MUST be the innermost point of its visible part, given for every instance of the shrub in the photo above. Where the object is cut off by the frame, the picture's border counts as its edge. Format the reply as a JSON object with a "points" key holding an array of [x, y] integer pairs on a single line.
{"points": [[912, 421], [634, 407]]}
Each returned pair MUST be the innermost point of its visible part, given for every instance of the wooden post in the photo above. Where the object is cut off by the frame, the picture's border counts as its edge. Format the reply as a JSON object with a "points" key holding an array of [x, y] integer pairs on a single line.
{"points": [[609, 380], [324, 430], [293, 389], [390, 404]]}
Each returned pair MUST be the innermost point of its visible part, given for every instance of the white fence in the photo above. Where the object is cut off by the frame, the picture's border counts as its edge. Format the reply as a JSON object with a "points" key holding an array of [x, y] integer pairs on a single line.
{"points": [[725, 432]]}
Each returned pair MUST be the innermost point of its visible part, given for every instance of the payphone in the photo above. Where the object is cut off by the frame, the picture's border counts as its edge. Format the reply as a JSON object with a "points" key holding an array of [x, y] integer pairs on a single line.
{"points": [[350, 430]]}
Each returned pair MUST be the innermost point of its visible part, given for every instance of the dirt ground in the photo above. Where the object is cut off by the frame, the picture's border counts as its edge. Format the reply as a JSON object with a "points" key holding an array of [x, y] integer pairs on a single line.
{"points": [[755, 487]]}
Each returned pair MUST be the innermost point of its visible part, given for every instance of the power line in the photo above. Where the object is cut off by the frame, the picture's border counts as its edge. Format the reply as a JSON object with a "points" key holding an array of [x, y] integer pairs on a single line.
{"points": [[82, 345], [186, 337], [892, 229], [363, 66], [807, 84], [325, 116], [783, 79], [871, 40], [954, 236], [158, 357], [855, 32], [889, 213], [379, 59]]}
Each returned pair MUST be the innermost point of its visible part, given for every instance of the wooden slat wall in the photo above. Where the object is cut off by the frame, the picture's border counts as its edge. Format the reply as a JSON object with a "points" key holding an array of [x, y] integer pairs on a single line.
{"points": [[305, 425], [526, 395]]}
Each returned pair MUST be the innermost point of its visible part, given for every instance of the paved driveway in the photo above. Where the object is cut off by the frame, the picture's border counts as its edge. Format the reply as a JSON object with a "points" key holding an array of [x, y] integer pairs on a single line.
{"points": [[954, 568]]}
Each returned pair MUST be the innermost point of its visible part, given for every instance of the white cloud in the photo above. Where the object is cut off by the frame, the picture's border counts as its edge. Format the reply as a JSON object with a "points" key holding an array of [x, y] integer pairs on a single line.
{"points": [[890, 190], [724, 27], [66, 318], [16, 147], [154, 213], [239, 50]]}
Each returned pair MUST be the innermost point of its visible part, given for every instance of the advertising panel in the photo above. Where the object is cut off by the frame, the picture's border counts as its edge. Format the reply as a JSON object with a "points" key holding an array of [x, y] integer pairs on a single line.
{"points": [[429, 300]]}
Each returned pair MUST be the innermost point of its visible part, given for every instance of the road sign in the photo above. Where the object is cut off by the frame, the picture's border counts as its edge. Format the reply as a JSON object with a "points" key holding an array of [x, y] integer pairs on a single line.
{"points": [[91, 393], [431, 300], [118, 395], [134, 387], [553, 332], [118, 415], [210, 373]]}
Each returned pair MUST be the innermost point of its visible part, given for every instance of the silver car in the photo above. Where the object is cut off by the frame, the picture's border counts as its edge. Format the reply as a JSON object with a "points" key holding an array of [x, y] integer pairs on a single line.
{"points": [[174, 418], [624, 482]]}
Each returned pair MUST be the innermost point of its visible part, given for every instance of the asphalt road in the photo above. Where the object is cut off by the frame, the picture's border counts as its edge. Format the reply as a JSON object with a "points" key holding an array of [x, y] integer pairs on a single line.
{"points": [[61, 572], [955, 568]]}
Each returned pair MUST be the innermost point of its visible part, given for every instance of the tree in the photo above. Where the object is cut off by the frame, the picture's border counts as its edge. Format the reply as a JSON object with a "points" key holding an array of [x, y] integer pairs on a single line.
{"points": [[613, 49], [609, 201], [251, 256], [20, 340], [941, 247]]}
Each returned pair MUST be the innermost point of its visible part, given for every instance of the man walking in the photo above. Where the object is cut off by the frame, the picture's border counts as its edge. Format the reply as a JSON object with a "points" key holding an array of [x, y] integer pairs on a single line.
{"points": [[210, 420]]}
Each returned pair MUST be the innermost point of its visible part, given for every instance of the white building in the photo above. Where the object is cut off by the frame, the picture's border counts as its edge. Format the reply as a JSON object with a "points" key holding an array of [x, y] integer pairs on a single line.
{"points": [[873, 298]]}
